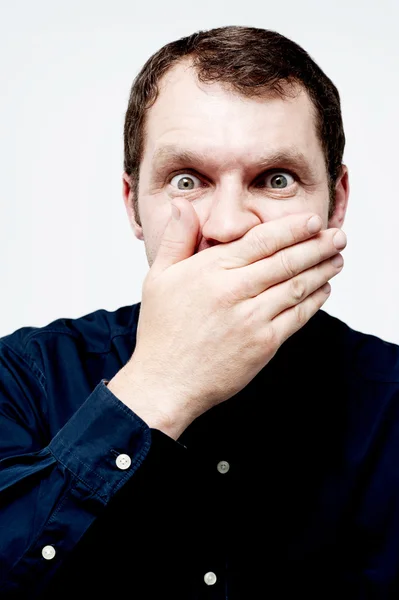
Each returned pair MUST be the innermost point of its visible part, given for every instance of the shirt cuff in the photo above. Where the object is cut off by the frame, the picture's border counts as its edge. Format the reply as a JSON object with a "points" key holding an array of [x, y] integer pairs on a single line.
{"points": [[103, 444]]}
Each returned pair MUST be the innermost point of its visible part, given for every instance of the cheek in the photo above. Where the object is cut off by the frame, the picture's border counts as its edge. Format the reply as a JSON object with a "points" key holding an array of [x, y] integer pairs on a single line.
{"points": [[155, 213], [277, 209], [153, 232]]}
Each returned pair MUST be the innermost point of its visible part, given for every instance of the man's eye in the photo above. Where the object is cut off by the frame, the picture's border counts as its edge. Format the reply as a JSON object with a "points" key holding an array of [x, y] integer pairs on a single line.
{"points": [[185, 181], [280, 180]]}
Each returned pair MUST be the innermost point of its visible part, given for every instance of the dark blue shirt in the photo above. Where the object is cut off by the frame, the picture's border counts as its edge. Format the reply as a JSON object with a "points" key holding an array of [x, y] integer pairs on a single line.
{"points": [[289, 487]]}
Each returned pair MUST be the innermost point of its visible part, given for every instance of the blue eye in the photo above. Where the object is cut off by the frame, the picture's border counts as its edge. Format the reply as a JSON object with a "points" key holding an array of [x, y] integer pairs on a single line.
{"points": [[185, 181]]}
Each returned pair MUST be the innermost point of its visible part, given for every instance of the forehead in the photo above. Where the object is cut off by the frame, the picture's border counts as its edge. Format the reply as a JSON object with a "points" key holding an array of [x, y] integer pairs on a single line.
{"points": [[214, 119]]}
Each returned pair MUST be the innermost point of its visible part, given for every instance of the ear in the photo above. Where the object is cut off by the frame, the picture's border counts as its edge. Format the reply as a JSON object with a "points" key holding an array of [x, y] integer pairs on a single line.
{"points": [[128, 200], [341, 199]]}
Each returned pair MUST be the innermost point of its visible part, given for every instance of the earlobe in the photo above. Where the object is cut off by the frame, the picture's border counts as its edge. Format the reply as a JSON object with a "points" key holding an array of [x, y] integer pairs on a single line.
{"points": [[128, 201], [341, 200], [138, 231]]}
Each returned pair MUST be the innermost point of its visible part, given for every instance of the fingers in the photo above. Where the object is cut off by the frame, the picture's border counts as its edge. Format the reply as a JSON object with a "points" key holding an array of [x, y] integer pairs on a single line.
{"points": [[292, 292], [268, 238], [292, 319], [288, 263]]}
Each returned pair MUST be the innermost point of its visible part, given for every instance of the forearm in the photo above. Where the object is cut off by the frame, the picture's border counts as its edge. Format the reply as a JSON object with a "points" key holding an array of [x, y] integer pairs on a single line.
{"points": [[50, 497]]}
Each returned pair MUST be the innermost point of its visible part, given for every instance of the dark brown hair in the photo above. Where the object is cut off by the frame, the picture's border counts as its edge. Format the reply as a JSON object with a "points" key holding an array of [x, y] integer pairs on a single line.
{"points": [[252, 62]]}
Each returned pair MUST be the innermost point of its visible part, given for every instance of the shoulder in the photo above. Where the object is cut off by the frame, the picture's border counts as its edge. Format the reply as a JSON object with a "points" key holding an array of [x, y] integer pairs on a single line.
{"points": [[370, 356], [91, 333]]}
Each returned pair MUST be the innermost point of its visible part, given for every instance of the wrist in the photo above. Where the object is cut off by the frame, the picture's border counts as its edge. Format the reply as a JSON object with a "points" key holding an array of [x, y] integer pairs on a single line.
{"points": [[149, 403]]}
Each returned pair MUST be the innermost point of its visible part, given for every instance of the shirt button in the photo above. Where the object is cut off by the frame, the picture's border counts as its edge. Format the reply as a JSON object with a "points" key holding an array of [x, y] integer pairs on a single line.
{"points": [[210, 578], [123, 461], [48, 552], [223, 466]]}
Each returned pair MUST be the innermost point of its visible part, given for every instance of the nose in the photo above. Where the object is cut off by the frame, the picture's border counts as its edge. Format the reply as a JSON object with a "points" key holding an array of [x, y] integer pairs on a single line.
{"points": [[227, 216]]}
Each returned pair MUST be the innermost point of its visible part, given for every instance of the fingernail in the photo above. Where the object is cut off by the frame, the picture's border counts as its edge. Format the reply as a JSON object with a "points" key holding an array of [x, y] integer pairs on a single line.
{"points": [[314, 224], [326, 288], [337, 260], [339, 240]]}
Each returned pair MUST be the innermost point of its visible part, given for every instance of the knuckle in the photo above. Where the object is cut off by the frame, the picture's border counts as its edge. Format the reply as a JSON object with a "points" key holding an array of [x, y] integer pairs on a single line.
{"points": [[271, 338], [300, 314], [266, 245], [297, 289], [173, 246], [287, 264], [231, 296], [231, 292], [320, 249], [244, 287], [295, 237]]}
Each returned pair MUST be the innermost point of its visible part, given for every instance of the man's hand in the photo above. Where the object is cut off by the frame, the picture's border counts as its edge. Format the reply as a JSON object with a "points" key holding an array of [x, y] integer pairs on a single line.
{"points": [[209, 322]]}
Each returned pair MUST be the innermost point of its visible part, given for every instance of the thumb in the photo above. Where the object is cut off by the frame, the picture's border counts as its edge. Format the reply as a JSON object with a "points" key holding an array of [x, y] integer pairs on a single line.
{"points": [[180, 237]]}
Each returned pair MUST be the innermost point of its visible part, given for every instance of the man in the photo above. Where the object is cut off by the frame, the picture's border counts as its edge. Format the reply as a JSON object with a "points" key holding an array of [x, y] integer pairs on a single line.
{"points": [[224, 438]]}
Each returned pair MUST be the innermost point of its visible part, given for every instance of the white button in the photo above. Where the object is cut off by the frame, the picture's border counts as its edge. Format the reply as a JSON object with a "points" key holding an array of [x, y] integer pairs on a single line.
{"points": [[210, 578], [123, 461], [48, 552], [223, 466]]}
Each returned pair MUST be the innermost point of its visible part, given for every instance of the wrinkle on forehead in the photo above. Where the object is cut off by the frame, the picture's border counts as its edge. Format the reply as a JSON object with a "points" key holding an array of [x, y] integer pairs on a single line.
{"points": [[171, 155], [197, 117]]}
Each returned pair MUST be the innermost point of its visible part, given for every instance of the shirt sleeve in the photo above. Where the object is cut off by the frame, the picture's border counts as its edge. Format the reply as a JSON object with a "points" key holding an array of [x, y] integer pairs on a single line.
{"points": [[51, 493]]}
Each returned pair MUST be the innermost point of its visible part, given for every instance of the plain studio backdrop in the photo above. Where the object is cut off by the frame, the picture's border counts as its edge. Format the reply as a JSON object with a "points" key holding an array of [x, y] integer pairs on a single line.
{"points": [[66, 70]]}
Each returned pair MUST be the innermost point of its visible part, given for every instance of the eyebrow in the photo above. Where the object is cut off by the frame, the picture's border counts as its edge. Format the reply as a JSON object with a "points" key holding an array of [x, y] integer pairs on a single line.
{"points": [[171, 155]]}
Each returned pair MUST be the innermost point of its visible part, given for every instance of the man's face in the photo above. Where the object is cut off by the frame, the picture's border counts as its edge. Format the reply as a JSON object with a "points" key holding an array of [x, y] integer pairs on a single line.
{"points": [[239, 161]]}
